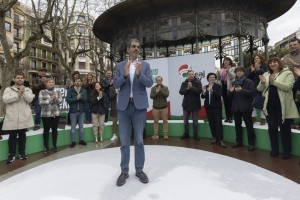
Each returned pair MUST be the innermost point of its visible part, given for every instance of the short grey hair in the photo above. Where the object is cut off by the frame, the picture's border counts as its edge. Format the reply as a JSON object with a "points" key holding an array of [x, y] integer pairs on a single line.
{"points": [[132, 40]]}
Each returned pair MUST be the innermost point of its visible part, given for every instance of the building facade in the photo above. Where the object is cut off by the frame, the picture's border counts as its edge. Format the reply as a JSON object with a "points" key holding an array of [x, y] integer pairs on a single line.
{"points": [[284, 43]]}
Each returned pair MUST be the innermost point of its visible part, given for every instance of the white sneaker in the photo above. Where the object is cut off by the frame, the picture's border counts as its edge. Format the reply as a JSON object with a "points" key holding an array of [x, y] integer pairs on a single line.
{"points": [[114, 137]]}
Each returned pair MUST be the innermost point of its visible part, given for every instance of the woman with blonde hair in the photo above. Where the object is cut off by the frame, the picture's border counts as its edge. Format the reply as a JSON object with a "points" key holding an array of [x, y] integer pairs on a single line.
{"points": [[49, 100]]}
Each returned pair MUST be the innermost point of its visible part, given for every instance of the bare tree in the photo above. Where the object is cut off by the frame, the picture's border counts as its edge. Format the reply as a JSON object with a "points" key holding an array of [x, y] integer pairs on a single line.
{"points": [[58, 17], [40, 16]]}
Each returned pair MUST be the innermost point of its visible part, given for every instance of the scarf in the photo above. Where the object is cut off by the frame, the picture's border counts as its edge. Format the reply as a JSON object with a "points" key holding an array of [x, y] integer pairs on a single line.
{"points": [[50, 89], [224, 72], [239, 81]]}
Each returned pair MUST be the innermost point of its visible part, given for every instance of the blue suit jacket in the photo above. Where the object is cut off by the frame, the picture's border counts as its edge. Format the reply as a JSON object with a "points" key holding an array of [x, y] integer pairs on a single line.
{"points": [[140, 97]]}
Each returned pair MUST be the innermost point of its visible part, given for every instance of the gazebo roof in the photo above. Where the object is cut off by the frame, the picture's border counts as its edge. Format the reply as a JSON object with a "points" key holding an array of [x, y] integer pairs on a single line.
{"points": [[114, 16]]}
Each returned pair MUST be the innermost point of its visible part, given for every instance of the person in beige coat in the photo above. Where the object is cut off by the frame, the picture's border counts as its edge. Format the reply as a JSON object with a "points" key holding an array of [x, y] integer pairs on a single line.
{"points": [[18, 116], [279, 107]]}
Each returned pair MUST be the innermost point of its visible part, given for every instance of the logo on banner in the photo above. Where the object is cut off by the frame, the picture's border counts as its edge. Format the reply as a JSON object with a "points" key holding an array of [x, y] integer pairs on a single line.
{"points": [[183, 71], [64, 106]]}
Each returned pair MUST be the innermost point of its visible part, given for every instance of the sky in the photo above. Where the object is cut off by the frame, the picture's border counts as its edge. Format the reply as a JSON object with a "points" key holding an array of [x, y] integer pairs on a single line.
{"points": [[284, 25]]}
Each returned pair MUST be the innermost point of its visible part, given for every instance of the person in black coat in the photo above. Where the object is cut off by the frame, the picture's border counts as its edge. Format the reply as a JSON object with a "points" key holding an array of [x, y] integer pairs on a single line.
{"points": [[98, 107], [213, 106], [191, 89], [257, 68], [242, 91]]}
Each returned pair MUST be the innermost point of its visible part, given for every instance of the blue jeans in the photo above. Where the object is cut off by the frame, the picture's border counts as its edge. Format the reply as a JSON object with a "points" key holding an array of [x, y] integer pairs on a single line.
{"points": [[37, 108], [137, 118], [77, 117]]}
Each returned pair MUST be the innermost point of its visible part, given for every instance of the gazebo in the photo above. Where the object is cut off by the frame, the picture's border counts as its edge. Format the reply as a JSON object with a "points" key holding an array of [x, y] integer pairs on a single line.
{"points": [[163, 23]]}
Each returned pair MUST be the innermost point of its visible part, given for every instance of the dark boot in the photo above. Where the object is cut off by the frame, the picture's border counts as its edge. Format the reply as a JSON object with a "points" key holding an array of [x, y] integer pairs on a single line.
{"points": [[195, 130], [186, 132]]}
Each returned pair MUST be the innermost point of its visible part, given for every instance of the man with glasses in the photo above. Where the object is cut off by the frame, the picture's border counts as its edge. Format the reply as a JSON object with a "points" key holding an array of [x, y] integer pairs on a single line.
{"points": [[132, 77]]}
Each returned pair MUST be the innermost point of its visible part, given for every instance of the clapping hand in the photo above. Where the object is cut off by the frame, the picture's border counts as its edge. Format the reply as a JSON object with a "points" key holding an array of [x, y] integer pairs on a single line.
{"points": [[54, 96], [238, 88], [231, 89], [272, 78], [262, 79], [158, 88], [297, 71], [138, 68], [21, 89], [127, 68]]}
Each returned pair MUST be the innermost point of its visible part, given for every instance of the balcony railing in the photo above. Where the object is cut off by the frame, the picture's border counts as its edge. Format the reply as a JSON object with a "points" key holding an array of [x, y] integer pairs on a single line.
{"points": [[42, 56]]}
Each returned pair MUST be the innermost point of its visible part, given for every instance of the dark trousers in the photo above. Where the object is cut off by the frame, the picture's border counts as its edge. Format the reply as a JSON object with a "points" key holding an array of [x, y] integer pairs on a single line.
{"points": [[227, 101], [17, 136], [37, 112], [246, 116], [186, 115], [50, 122], [274, 119], [107, 102], [214, 116]]}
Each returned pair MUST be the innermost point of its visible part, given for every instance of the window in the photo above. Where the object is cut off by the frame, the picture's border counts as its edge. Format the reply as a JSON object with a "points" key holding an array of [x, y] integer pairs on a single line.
{"points": [[7, 26], [81, 42], [8, 14], [81, 29], [53, 56], [81, 55], [44, 54], [90, 21], [44, 65], [33, 51], [53, 68], [33, 64], [71, 18], [81, 18], [16, 32], [16, 47], [16, 19], [236, 51], [81, 65], [92, 67], [34, 76]]}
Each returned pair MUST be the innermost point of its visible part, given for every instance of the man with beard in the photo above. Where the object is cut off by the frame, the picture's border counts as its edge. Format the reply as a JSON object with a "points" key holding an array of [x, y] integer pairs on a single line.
{"points": [[292, 60], [191, 89], [106, 83], [132, 77], [18, 116]]}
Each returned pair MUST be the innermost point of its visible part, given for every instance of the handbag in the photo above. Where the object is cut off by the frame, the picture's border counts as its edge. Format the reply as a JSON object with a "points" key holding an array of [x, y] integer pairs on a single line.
{"points": [[2, 132], [258, 102]]}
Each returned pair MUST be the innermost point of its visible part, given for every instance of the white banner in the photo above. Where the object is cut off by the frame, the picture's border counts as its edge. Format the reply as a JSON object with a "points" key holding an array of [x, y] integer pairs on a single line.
{"points": [[174, 70]]}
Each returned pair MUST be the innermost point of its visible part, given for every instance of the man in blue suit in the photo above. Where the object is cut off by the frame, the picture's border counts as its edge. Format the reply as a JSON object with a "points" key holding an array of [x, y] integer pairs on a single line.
{"points": [[132, 77]]}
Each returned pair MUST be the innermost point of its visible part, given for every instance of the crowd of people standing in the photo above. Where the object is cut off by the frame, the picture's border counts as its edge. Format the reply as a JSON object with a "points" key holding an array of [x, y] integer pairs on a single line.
{"points": [[268, 88]]}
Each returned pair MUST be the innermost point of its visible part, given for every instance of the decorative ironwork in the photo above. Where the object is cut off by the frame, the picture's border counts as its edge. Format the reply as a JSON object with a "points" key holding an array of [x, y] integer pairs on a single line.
{"points": [[166, 23]]}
